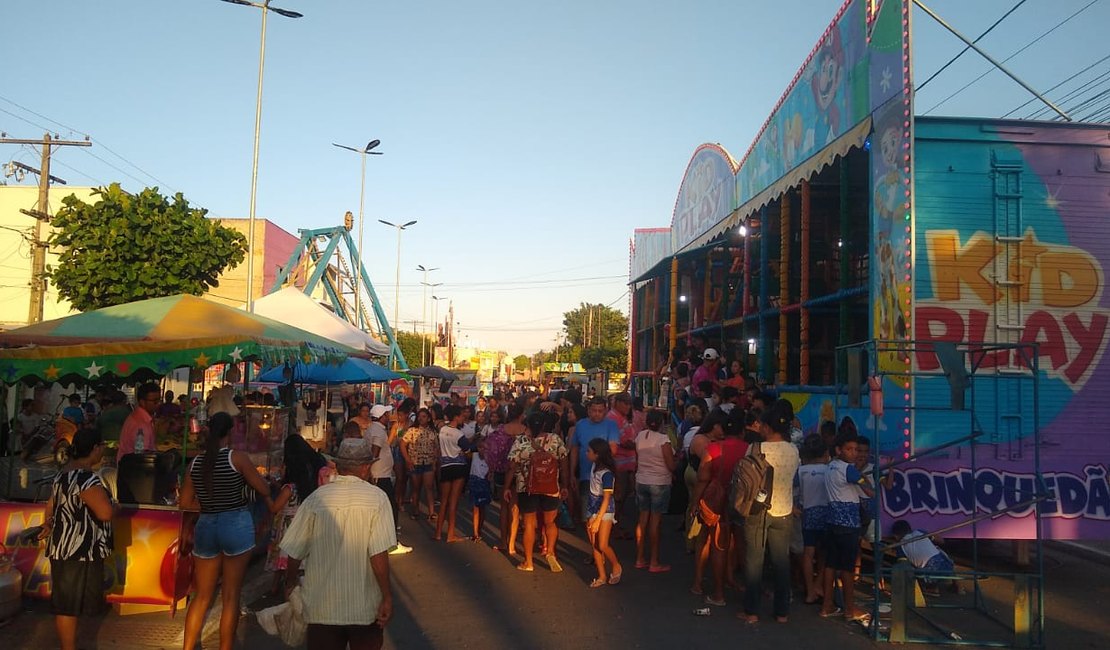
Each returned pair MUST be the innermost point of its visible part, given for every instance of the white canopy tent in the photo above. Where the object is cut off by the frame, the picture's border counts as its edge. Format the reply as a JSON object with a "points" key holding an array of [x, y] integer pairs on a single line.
{"points": [[291, 305]]}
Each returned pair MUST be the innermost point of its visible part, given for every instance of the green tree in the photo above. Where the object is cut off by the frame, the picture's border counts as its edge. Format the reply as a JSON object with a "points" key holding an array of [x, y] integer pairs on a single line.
{"points": [[520, 362], [410, 347], [611, 358], [591, 325], [128, 247], [597, 337]]}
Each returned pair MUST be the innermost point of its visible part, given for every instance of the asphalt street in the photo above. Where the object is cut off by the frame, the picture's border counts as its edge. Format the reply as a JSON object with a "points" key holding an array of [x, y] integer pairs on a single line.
{"points": [[467, 595]]}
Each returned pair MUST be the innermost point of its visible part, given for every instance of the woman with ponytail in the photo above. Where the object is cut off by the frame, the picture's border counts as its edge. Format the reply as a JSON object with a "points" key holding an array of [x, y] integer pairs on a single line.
{"points": [[224, 533], [769, 530]]}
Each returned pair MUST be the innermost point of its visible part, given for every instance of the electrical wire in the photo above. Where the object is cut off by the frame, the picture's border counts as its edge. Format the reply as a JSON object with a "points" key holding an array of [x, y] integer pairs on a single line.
{"points": [[968, 47], [23, 119], [1030, 101], [131, 176], [1022, 49], [1090, 86], [87, 136]]}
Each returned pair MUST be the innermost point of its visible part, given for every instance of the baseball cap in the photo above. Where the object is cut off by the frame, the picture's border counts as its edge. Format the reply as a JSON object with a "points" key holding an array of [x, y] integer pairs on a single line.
{"points": [[710, 354], [379, 410], [355, 449]]}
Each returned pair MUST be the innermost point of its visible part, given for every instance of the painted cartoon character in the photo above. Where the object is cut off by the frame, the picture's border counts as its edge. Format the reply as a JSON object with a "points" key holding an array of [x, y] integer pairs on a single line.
{"points": [[792, 145], [890, 321], [827, 77], [887, 182]]}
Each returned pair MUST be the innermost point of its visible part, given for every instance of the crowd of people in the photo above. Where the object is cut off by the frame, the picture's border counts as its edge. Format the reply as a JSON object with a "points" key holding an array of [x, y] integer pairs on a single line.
{"points": [[575, 463], [756, 500]]}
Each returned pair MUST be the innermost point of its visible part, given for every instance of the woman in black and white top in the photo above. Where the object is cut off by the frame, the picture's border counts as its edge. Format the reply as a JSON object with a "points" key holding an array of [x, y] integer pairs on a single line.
{"points": [[79, 533], [224, 533]]}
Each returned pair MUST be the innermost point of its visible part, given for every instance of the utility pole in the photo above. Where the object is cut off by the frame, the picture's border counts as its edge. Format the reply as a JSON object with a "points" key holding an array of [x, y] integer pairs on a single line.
{"points": [[41, 214]]}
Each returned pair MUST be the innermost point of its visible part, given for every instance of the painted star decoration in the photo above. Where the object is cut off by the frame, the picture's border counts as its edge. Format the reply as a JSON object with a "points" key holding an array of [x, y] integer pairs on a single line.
{"points": [[202, 360], [94, 370], [237, 354], [52, 371]]}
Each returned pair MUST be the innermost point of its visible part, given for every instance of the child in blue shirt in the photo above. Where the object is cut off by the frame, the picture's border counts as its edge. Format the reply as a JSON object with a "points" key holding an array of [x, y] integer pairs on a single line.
{"points": [[813, 504], [923, 554], [601, 511], [842, 545]]}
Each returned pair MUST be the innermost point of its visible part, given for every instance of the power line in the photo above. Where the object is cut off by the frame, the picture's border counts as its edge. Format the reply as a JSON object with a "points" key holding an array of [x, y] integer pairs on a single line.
{"points": [[1023, 48], [24, 108], [23, 119], [99, 143], [1030, 101], [1091, 87], [968, 47]]}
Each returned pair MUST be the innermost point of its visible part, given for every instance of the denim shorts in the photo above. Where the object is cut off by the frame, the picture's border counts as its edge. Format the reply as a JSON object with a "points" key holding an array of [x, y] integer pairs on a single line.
{"points": [[421, 469], [653, 498], [229, 533]]}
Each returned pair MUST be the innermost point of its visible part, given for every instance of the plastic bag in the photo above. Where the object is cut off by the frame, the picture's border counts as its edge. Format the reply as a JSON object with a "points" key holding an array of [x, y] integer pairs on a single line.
{"points": [[286, 620]]}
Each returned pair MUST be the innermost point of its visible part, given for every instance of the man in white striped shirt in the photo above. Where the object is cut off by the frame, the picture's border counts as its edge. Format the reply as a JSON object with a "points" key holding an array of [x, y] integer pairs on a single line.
{"points": [[342, 534]]}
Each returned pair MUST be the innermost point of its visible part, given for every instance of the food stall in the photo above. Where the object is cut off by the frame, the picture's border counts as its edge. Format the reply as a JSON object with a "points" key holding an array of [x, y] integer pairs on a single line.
{"points": [[151, 565]]}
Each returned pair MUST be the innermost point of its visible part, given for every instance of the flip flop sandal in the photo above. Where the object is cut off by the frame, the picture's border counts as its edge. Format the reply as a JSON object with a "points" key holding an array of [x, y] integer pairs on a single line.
{"points": [[835, 612], [598, 582], [521, 567], [615, 579], [662, 568]]}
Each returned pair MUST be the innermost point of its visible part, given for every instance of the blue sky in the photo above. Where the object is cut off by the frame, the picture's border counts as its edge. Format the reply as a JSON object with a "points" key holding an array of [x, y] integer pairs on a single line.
{"points": [[528, 140]]}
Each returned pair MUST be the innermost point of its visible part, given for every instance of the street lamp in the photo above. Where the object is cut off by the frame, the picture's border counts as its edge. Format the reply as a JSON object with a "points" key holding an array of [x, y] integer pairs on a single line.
{"points": [[365, 151], [424, 307], [264, 5], [397, 282]]}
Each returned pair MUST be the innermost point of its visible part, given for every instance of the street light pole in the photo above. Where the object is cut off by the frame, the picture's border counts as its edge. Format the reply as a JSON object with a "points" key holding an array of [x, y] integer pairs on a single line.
{"points": [[361, 201], [424, 309], [397, 280], [266, 9]]}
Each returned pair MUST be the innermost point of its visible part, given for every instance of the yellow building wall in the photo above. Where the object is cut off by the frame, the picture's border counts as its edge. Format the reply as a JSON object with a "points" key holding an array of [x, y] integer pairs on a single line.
{"points": [[273, 245]]}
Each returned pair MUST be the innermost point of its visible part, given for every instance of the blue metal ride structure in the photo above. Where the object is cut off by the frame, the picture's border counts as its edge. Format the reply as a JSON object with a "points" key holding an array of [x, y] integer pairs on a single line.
{"points": [[311, 262]]}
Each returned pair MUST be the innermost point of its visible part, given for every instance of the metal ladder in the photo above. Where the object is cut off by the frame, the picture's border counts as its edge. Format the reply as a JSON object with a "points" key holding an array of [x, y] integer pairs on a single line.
{"points": [[1011, 289]]}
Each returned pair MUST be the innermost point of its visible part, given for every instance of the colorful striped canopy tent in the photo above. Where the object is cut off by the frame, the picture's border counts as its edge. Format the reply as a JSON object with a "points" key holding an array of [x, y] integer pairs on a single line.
{"points": [[153, 337]]}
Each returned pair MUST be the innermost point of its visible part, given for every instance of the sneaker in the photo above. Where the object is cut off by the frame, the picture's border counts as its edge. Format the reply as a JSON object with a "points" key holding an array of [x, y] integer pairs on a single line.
{"points": [[400, 549]]}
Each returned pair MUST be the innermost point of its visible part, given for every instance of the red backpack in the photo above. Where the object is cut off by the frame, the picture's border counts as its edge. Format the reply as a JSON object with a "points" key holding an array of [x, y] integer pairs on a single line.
{"points": [[543, 471]]}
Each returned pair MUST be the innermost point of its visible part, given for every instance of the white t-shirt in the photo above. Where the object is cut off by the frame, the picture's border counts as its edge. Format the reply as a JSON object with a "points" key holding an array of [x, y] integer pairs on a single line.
{"points": [[450, 453], [689, 438], [811, 482], [377, 436], [651, 469], [478, 467], [921, 551], [469, 429], [784, 457]]}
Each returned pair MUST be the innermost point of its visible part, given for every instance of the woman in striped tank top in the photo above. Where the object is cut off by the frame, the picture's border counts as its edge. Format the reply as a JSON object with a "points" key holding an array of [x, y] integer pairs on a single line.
{"points": [[224, 533]]}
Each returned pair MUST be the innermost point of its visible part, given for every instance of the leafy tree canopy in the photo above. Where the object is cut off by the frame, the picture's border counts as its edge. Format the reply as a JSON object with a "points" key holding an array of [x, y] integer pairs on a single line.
{"points": [[127, 247], [410, 345], [596, 337], [590, 325], [520, 362]]}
